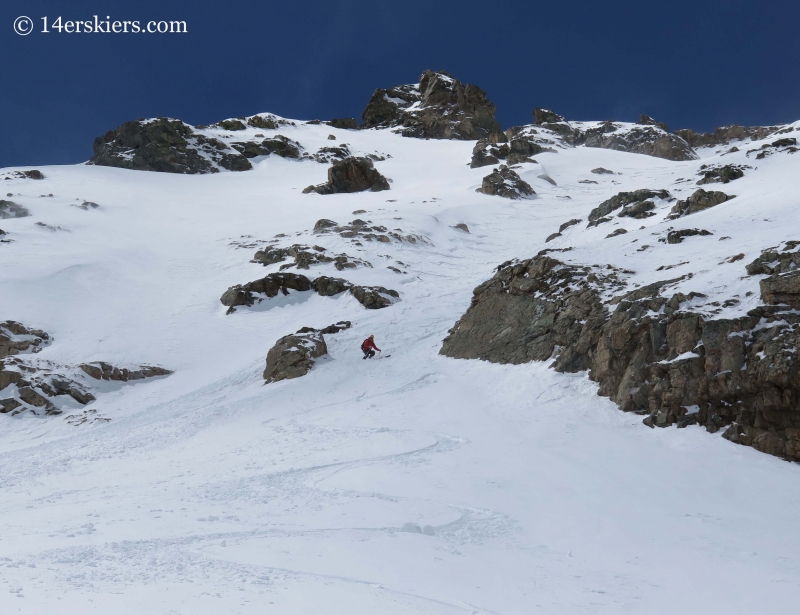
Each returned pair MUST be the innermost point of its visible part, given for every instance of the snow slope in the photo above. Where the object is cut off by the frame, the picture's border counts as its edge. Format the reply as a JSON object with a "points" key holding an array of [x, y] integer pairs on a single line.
{"points": [[208, 492]]}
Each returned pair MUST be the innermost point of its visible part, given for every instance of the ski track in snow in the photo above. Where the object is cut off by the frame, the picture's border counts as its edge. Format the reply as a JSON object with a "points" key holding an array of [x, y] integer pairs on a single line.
{"points": [[209, 492]]}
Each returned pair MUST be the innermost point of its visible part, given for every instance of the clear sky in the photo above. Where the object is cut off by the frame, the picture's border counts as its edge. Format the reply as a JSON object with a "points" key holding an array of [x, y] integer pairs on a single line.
{"points": [[696, 64]]}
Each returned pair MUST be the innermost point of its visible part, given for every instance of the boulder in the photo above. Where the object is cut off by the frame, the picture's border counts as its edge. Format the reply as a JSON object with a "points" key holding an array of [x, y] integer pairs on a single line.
{"points": [[374, 297], [294, 355], [698, 201], [353, 174], [165, 145], [506, 183], [9, 209], [438, 107]]}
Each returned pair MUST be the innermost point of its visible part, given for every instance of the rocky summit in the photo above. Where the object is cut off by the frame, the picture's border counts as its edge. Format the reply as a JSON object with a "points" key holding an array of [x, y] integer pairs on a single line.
{"points": [[438, 107]]}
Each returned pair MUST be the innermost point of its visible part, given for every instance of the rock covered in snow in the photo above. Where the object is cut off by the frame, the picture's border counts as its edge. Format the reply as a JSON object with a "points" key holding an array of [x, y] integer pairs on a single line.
{"points": [[100, 370], [165, 145], [268, 286], [40, 386], [647, 137], [353, 174], [634, 204], [497, 147], [279, 145], [506, 183], [10, 209], [698, 201], [720, 174], [16, 338], [294, 355], [438, 107]]}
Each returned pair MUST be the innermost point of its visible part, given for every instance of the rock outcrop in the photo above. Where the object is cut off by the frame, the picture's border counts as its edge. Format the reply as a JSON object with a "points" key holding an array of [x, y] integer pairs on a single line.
{"points": [[725, 134], [496, 148], [698, 201], [364, 230], [278, 145], [165, 145], [294, 355], [353, 174], [648, 137], [649, 352], [30, 174], [636, 204], [9, 209], [438, 107], [374, 297], [304, 257], [100, 370], [42, 387], [506, 183], [16, 338], [267, 287], [345, 123], [720, 175], [247, 295]]}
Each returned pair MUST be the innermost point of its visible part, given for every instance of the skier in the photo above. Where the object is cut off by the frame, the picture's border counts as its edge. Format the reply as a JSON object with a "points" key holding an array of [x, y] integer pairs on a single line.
{"points": [[369, 347]]}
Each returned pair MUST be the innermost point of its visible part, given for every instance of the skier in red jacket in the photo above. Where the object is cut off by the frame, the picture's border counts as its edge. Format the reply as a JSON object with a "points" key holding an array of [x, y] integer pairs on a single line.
{"points": [[369, 347]]}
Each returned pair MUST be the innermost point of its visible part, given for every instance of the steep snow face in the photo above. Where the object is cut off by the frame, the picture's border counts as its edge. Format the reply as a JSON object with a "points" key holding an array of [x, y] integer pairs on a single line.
{"points": [[413, 483]]}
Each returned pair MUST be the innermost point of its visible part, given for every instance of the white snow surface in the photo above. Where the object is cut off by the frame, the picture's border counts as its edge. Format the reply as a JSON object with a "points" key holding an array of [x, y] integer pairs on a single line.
{"points": [[415, 484]]}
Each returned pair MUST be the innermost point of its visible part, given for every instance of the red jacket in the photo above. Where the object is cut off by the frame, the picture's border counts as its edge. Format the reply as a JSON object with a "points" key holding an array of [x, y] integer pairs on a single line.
{"points": [[369, 345]]}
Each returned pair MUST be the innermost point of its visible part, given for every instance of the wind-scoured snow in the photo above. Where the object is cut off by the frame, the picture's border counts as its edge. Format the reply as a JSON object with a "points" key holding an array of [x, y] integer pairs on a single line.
{"points": [[209, 492]]}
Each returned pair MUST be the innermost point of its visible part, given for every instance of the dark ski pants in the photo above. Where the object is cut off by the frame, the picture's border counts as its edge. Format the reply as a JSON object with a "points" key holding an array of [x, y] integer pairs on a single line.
{"points": [[369, 353]]}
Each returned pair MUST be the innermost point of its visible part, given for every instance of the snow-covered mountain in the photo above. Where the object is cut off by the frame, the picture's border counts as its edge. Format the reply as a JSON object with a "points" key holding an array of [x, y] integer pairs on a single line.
{"points": [[188, 425]]}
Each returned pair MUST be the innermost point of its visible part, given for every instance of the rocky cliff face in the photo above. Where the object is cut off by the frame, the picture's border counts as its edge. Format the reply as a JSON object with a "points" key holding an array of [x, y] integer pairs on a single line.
{"points": [[647, 349], [438, 107]]}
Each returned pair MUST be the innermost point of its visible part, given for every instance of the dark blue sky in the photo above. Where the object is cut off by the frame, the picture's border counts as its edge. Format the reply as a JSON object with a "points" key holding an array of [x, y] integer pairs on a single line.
{"points": [[696, 64]]}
